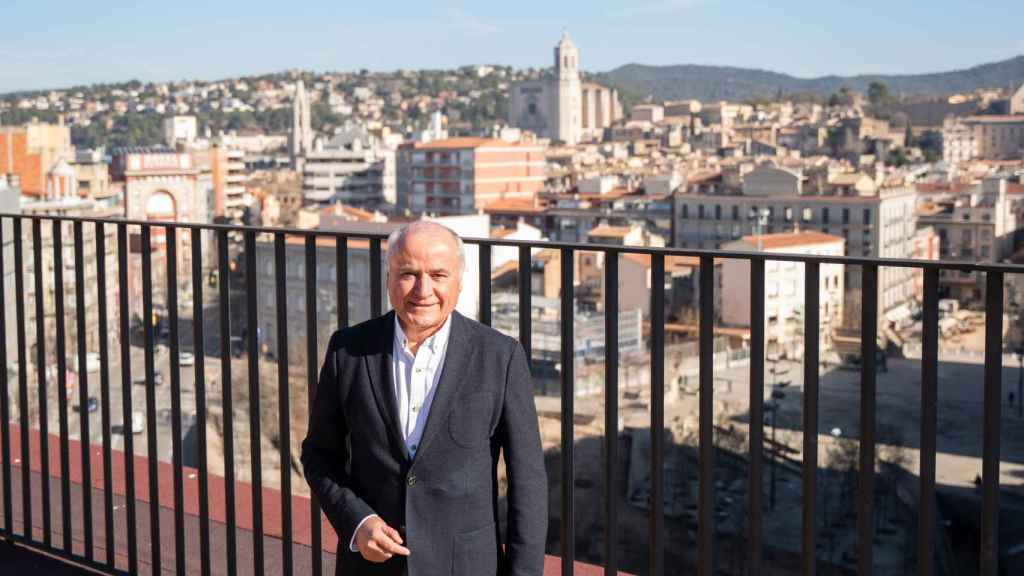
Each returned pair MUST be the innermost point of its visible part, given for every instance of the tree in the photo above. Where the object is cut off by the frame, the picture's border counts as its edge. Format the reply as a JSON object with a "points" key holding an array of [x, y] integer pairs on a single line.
{"points": [[878, 94]]}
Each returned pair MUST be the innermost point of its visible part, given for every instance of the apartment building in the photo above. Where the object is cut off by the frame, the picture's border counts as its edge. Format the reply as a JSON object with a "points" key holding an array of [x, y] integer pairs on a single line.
{"points": [[463, 175], [877, 223], [784, 288], [29, 151], [978, 225], [354, 172], [995, 137]]}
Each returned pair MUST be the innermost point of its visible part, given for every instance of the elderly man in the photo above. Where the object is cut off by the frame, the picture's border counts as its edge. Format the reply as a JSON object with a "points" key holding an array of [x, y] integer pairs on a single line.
{"points": [[411, 412]]}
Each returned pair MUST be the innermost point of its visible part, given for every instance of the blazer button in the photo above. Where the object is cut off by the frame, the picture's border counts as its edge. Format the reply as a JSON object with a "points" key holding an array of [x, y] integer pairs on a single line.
{"points": [[412, 480]]}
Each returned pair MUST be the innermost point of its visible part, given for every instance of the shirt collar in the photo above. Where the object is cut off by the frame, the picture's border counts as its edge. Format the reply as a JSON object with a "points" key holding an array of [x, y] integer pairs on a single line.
{"points": [[436, 342]]}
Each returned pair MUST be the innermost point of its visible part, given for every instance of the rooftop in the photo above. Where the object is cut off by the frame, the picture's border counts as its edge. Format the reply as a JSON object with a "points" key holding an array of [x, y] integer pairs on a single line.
{"points": [[462, 143], [791, 239], [606, 231]]}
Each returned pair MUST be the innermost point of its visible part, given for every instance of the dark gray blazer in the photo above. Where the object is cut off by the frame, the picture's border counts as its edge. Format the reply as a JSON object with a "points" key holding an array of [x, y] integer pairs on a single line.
{"points": [[445, 500]]}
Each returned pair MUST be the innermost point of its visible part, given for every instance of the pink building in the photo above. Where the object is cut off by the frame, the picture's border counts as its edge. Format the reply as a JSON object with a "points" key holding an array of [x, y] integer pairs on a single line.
{"points": [[462, 175]]}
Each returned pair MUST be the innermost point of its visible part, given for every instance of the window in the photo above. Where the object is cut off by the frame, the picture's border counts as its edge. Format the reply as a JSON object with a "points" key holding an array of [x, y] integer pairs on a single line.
{"points": [[700, 212], [789, 214], [867, 216], [718, 212], [686, 211], [967, 216], [735, 212], [808, 214], [824, 216], [985, 251], [846, 215]]}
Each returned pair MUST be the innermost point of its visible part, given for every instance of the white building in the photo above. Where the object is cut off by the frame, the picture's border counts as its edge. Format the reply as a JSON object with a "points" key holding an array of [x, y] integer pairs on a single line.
{"points": [[353, 168], [879, 223], [784, 296], [180, 130], [959, 143], [977, 226], [560, 107]]}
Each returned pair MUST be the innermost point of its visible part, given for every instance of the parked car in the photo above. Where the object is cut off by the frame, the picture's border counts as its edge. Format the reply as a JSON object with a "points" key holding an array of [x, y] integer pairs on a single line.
{"points": [[158, 379]]}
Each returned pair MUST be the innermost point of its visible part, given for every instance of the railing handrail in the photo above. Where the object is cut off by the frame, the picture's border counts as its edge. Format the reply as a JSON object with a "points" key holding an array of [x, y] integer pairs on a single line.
{"points": [[668, 251]]}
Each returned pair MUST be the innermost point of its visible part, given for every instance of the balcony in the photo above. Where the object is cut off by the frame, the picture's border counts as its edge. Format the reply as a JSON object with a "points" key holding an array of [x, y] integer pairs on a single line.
{"points": [[734, 498]]}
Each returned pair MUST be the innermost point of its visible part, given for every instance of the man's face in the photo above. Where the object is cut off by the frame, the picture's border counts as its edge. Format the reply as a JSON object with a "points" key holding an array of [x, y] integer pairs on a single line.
{"points": [[424, 279]]}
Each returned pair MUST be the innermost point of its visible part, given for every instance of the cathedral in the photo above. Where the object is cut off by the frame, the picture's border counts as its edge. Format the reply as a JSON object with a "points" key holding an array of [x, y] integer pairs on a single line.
{"points": [[561, 106]]}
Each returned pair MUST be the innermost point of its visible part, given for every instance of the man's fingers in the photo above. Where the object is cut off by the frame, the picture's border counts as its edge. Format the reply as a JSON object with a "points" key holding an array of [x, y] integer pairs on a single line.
{"points": [[389, 545], [394, 534]]}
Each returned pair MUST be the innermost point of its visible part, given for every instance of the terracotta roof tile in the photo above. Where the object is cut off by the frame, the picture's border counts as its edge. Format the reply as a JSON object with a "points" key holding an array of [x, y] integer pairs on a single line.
{"points": [[791, 239]]}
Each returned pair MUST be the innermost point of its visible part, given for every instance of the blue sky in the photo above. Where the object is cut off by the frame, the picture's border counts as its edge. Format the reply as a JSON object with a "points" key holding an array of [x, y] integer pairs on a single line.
{"points": [[56, 43]]}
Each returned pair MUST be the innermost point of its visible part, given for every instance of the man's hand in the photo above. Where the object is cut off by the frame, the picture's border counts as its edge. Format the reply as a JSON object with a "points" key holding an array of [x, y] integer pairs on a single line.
{"points": [[378, 542]]}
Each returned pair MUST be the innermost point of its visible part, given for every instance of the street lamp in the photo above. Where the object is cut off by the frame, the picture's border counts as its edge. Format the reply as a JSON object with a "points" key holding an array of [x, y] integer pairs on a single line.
{"points": [[772, 408], [1020, 381], [760, 218]]}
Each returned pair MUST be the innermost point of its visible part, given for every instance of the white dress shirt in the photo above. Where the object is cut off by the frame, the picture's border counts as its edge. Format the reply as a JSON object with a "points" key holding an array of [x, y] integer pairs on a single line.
{"points": [[414, 379]]}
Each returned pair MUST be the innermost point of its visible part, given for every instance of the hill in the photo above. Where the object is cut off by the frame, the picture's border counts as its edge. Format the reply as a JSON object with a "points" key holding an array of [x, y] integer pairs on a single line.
{"points": [[729, 83]]}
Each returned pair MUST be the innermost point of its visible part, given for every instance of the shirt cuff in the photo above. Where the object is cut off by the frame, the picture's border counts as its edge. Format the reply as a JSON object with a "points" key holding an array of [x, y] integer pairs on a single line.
{"points": [[352, 543]]}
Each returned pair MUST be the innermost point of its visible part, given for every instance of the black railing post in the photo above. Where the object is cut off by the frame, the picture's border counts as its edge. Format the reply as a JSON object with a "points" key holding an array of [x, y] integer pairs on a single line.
{"points": [[5, 416], [568, 527], [706, 508], [611, 412], [175, 367], [43, 410], [148, 346], [23, 422], [929, 409], [376, 304], [657, 472], [484, 271], [812, 339], [227, 401], [993, 413], [312, 354], [83, 390], [62, 382], [127, 424], [104, 351], [755, 487], [341, 279], [199, 354], [868, 374], [283, 411], [255, 438], [525, 302]]}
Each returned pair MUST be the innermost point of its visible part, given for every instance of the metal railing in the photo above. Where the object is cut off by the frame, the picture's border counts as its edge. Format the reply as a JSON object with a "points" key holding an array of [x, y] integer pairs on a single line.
{"points": [[706, 545]]}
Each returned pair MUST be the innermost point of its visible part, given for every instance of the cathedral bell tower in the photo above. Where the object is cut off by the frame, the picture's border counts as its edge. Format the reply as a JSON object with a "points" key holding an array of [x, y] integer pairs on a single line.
{"points": [[568, 95]]}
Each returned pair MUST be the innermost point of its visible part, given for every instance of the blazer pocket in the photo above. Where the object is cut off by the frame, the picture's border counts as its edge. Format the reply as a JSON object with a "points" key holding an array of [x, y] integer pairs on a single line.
{"points": [[469, 423], [475, 553]]}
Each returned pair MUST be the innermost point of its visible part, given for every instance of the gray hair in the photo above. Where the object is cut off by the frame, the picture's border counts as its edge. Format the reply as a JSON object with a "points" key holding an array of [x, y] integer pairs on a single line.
{"points": [[397, 236]]}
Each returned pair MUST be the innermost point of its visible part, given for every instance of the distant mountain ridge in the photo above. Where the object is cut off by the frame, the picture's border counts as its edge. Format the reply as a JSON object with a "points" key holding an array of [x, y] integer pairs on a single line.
{"points": [[684, 81]]}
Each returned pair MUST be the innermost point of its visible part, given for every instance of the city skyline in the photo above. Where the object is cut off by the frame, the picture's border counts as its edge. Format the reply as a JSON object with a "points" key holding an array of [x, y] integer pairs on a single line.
{"points": [[65, 44]]}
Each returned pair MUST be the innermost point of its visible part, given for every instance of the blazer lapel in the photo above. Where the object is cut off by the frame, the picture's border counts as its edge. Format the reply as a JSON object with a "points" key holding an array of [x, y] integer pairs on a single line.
{"points": [[378, 366], [453, 374]]}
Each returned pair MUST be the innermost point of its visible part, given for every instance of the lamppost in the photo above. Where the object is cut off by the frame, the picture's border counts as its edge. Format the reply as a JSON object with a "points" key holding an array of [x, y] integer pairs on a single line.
{"points": [[772, 407], [760, 218], [1020, 381]]}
